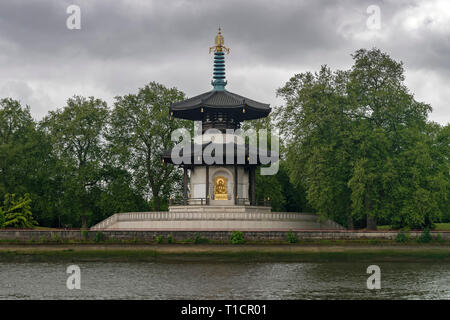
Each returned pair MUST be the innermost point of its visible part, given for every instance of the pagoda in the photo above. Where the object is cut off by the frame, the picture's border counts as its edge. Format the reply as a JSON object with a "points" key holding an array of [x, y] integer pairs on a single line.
{"points": [[219, 170], [226, 182]]}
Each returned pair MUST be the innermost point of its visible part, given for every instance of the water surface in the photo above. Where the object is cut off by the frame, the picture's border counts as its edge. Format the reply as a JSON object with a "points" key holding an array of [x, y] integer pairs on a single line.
{"points": [[136, 280]]}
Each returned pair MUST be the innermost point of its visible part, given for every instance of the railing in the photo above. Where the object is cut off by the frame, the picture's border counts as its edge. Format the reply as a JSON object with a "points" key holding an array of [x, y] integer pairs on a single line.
{"points": [[258, 203], [189, 201], [165, 215], [107, 222], [206, 201]]}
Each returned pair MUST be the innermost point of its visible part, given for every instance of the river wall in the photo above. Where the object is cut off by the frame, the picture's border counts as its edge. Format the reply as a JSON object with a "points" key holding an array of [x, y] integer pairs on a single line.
{"points": [[182, 235]]}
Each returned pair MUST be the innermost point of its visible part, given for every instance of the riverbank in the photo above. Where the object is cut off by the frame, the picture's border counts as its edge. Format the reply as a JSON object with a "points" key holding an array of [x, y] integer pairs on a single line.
{"points": [[223, 253]]}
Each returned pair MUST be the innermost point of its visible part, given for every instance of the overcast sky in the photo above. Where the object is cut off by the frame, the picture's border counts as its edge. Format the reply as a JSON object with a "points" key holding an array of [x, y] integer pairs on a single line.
{"points": [[124, 44]]}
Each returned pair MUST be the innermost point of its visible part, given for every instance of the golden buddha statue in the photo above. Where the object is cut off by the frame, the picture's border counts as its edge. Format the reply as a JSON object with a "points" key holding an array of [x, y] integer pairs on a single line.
{"points": [[220, 188]]}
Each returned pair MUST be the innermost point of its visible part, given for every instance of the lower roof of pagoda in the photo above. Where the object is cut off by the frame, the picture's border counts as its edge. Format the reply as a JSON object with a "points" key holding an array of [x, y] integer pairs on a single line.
{"points": [[219, 101], [195, 152]]}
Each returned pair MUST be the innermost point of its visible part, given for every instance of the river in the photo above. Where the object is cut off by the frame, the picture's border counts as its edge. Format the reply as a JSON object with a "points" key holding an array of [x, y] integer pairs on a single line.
{"points": [[337, 280]]}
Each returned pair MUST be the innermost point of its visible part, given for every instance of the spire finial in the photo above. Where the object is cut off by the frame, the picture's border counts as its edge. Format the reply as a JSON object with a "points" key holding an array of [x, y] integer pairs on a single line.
{"points": [[218, 43], [219, 82]]}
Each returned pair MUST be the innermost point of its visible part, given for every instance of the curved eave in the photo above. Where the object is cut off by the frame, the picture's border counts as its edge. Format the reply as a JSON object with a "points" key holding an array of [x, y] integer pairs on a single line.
{"points": [[191, 109], [253, 153], [197, 114]]}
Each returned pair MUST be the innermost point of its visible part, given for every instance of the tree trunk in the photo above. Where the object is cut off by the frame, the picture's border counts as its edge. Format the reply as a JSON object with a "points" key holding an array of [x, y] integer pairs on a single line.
{"points": [[371, 223], [350, 223], [156, 203], [83, 222]]}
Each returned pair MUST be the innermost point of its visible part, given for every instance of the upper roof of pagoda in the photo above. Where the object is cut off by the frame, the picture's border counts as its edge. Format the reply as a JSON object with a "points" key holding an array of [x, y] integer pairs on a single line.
{"points": [[219, 99]]}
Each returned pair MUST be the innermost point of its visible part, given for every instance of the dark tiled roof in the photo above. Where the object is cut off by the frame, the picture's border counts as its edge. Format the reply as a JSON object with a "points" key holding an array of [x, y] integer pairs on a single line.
{"points": [[219, 99]]}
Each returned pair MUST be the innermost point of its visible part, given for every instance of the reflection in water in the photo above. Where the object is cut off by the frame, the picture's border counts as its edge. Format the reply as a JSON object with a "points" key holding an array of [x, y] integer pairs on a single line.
{"points": [[224, 281]]}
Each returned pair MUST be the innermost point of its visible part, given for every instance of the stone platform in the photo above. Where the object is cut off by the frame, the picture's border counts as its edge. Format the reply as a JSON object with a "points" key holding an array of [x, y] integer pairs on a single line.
{"points": [[210, 218]]}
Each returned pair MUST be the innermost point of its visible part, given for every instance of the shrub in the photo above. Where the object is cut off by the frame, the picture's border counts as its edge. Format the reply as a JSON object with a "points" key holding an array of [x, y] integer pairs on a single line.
{"points": [[291, 237], [16, 213], [439, 238], [2, 218], [84, 234], [99, 236], [425, 237], [134, 239], [56, 237], [237, 237], [159, 239], [200, 240], [402, 237], [170, 239]]}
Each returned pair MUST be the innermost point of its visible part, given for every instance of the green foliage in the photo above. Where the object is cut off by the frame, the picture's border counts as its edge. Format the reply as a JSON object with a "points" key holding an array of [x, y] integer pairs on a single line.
{"points": [[56, 237], [361, 146], [84, 234], [402, 237], [2, 218], [425, 237], [99, 236], [16, 213], [291, 237], [200, 240], [159, 239], [237, 237], [170, 239], [77, 134], [140, 131]]}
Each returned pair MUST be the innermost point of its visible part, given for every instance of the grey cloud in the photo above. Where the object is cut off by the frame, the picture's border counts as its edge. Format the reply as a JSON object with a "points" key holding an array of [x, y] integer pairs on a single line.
{"points": [[124, 44]]}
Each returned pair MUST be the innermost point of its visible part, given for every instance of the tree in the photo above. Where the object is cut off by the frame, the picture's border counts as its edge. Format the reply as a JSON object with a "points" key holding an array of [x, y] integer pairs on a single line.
{"points": [[26, 164], [381, 107], [420, 183], [140, 131], [16, 126], [361, 145], [76, 132], [315, 128]]}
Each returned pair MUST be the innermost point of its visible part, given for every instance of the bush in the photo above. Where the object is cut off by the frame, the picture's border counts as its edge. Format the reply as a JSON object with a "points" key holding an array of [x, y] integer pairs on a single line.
{"points": [[159, 239], [291, 237], [170, 239], [439, 238], [425, 237], [16, 213], [2, 218], [56, 237], [237, 237], [99, 236], [402, 237], [200, 240], [84, 234]]}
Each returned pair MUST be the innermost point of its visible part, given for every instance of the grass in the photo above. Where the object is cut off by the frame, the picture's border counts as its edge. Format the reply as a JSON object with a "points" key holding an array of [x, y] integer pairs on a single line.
{"points": [[228, 253], [439, 227], [442, 226], [46, 229]]}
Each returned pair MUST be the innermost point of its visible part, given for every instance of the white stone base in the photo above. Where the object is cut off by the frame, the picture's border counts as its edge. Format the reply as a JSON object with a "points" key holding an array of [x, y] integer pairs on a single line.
{"points": [[243, 218]]}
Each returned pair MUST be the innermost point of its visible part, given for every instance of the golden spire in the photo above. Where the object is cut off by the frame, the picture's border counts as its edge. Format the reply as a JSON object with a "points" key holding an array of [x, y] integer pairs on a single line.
{"points": [[219, 41]]}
